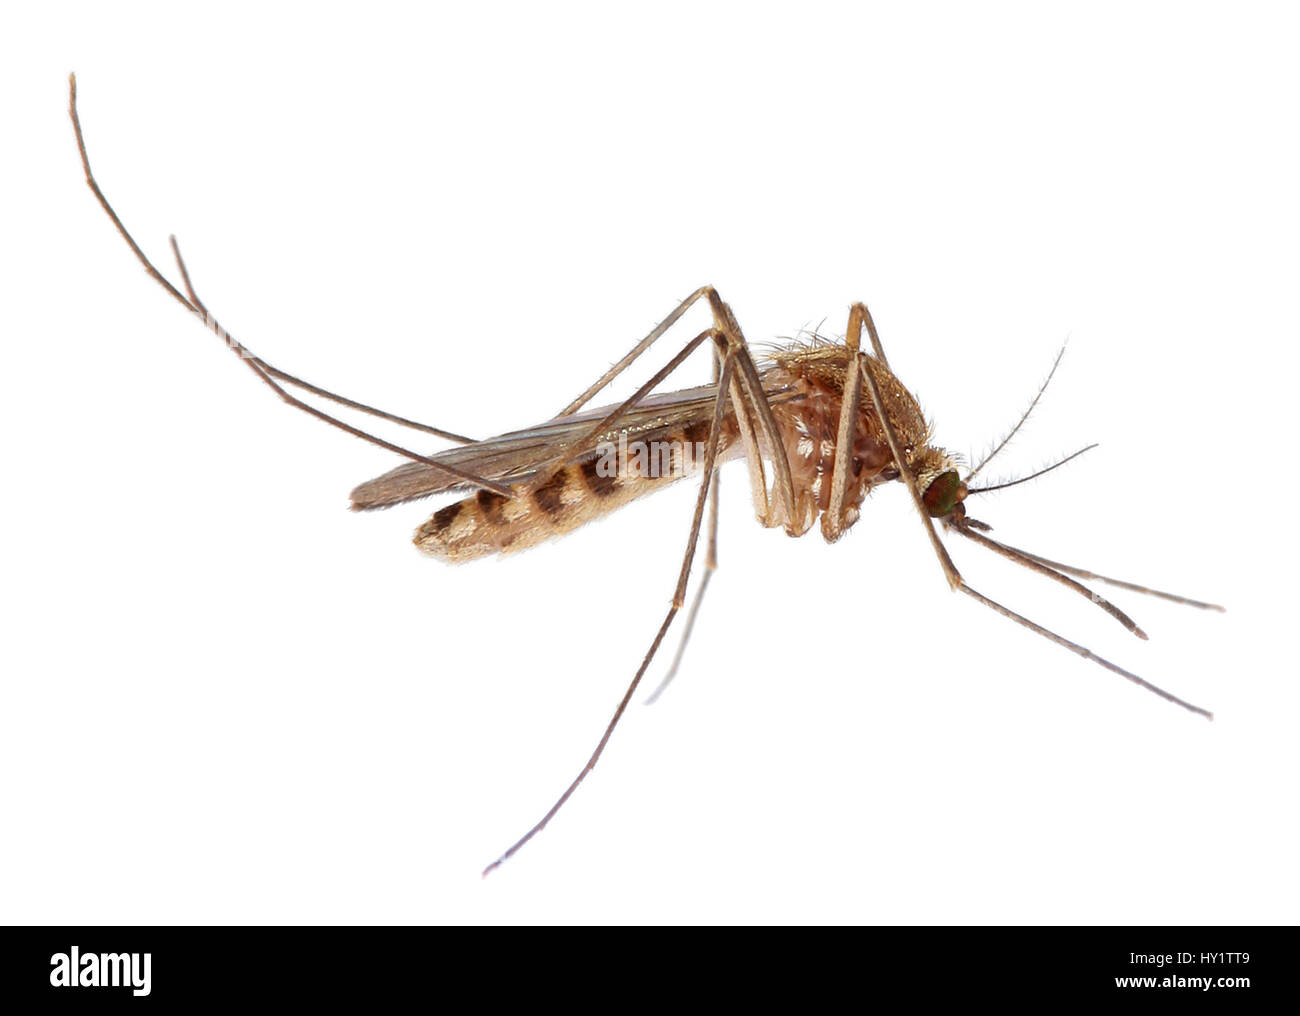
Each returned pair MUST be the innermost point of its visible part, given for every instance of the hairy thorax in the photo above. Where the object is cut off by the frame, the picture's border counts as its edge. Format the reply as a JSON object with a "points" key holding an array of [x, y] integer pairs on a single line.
{"points": [[809, 426]]}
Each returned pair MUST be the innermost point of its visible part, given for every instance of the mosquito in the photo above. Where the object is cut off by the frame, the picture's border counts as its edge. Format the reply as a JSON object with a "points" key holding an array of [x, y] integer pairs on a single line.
{"points": [[831, 420]]}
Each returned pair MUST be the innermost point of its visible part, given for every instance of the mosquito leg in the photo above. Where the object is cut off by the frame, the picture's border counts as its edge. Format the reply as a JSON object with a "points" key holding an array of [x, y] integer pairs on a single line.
{"points": [[221, 333], [957, 582], [748, 382], [753, 455], [752, 386], [905, 469], [753, 412], [834, 519], [782, 480], [256, 361], [710, 566], [360, 407], [860, 316], [635, 352], [576, 446], [747, 391], [725, 321], [748, 426], [679, 597]]}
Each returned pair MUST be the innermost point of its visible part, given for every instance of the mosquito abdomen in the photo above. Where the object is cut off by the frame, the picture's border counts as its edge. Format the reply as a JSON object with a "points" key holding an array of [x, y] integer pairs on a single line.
{"points": [[488, 523]]}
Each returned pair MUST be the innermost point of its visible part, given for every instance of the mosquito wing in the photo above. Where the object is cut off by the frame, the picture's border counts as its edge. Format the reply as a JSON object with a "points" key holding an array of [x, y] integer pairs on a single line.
{"points": [[516, 457]]}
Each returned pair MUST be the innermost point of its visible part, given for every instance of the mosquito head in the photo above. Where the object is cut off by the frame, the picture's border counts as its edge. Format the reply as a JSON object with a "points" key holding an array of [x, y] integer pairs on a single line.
{"points": [[941, 487], [943, 496]]}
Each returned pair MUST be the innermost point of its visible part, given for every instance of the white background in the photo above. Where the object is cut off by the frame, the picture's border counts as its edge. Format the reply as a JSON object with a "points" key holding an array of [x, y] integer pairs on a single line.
{"points": [[226, 699]]}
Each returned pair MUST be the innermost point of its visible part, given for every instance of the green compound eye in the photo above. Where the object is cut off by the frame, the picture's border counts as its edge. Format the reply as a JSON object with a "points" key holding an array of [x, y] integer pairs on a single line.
{"points": [[944, 492]]}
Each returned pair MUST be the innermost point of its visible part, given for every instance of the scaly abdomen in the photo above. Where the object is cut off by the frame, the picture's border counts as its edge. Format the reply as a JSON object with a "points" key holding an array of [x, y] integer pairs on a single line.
{"points": [[489, 523]]}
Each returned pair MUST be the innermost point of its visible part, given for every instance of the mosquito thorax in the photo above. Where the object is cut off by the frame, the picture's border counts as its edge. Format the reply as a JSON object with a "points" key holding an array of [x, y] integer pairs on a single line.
{"points": [[944, 494]]}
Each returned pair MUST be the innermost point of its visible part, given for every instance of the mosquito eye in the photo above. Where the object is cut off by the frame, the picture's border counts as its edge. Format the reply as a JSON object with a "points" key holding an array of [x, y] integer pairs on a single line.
{"points": [[944, 492]]}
